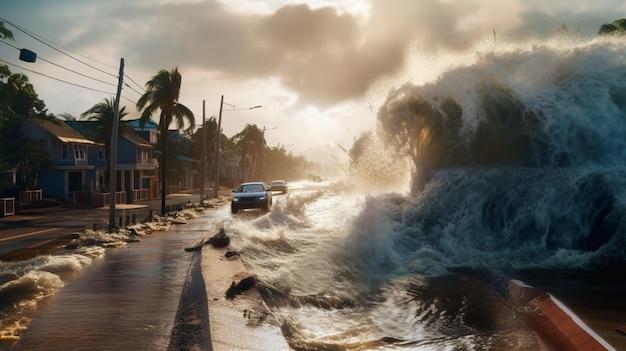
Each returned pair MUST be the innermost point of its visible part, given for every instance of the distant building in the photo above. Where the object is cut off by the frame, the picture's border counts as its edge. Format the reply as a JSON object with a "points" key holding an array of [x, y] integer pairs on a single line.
{"points": [[234, 169]]}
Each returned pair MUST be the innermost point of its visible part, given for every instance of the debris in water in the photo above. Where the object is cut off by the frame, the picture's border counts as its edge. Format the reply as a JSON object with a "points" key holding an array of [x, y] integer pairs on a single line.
{"points": [[241, 282], [231, 254], [220, 239], [196, 247]]}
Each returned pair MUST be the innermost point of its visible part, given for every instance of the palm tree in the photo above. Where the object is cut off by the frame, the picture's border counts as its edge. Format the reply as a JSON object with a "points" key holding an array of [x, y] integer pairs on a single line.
{"points": [[162, 93], [103, 114], [250, 143], [66, 116]]}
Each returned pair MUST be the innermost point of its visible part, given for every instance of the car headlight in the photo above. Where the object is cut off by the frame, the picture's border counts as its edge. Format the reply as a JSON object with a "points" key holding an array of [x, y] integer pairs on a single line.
{"points": [[263, 198], [235, 199]]}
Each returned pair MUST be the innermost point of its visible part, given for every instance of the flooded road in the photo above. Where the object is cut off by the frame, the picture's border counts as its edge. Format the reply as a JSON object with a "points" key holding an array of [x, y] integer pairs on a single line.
{"points": [[340, 269], [125, 300]]}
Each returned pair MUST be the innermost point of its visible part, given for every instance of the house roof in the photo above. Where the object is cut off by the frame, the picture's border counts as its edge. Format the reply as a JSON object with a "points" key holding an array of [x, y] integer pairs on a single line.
{"points": [[88, 128], [62, 131], [133, 137], [136, 124]]}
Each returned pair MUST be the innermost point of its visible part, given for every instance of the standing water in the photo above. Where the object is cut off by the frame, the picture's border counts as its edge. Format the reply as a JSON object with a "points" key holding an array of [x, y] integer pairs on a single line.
{"points": [[124, 300]]}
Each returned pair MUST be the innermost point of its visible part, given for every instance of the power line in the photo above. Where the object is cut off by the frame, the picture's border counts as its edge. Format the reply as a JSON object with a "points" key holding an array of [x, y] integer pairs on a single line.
{"points": [[133, 101], [64, 48], [137, 84], [51, 44], [80, 74], [58, 79], [9, 44], [62, 67], [41, 40], [62, 80], [133, 89]]}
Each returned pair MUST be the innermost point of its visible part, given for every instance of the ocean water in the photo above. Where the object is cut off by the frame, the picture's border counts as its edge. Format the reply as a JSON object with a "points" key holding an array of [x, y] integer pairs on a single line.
{"points": [[516, 164]]}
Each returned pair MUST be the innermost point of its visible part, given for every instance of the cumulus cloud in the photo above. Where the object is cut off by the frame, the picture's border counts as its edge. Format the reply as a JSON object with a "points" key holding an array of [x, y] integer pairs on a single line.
{"points": [[324, 54]]}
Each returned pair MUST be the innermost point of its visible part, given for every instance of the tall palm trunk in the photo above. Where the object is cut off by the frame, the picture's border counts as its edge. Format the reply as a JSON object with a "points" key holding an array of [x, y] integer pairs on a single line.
{"points": [[163, 165]]}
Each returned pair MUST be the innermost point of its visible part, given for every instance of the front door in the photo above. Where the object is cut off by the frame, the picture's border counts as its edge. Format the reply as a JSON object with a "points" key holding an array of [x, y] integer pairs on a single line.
{"points": [[75, 181]]}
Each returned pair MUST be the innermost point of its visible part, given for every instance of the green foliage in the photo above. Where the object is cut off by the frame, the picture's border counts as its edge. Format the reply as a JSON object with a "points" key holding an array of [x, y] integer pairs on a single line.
{"points": [[19, 103], [360, 145], [162, 93], [617, 27], [103, 113], [278, 163], [250, 143], [5, 33]]}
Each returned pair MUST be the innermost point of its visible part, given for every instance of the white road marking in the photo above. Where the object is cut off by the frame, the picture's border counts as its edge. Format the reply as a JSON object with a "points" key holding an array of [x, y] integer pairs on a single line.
{"points": [[29, 234]]}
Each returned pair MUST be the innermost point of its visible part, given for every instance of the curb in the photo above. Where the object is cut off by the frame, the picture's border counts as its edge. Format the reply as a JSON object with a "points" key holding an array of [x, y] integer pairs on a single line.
{"points": [[242, 322]]}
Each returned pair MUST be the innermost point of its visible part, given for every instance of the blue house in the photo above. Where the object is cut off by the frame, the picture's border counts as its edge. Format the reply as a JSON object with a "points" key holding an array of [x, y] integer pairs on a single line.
{"points": [[182, 175], [136, 165], [71, 170]]}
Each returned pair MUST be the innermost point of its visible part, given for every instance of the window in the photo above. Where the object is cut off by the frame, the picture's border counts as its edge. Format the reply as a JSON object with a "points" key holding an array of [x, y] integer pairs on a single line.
{"points": [[64, 151], [143, 155], [80, 152], [100, 154]]}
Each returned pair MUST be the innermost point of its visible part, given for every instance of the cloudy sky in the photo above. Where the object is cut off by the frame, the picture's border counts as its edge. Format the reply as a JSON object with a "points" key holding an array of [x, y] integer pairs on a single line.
{"points": [[319, 67]]}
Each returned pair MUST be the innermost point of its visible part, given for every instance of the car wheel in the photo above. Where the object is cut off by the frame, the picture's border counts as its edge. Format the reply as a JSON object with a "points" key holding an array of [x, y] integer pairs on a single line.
{"points": [[234, 209]]}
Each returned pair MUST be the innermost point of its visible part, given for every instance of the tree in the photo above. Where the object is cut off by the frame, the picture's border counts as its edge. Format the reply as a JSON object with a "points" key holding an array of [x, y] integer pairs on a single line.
{"points": [[617, 27], [18, 104], [5, 33], [66, 116], [162, 93], [103, 114], [278, 163], [250, 143]]}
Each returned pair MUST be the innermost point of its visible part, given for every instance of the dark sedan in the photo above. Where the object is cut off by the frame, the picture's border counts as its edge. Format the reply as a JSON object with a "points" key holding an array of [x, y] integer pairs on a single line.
{"points": [[251, 195]]}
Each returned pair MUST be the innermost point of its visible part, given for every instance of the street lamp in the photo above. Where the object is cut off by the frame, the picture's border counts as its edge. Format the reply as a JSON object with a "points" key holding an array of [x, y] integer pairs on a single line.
{"points": [[217, 139]]}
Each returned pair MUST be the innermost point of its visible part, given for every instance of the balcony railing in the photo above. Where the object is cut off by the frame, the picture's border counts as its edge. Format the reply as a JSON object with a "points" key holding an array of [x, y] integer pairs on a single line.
{"points": [[29, 196], [120, 198], [7, 206], [141, 194]]}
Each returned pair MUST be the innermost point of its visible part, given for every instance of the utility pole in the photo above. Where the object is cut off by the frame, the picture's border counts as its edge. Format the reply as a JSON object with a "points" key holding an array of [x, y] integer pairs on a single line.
{"points": [[202, 177], [113, 146], [259, 167], [217, 149]]}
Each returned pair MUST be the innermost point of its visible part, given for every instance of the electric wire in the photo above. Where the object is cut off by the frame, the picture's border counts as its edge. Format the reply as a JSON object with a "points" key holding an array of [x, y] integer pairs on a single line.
{"points": [[41, 40], [62, 80], [62, 67]]}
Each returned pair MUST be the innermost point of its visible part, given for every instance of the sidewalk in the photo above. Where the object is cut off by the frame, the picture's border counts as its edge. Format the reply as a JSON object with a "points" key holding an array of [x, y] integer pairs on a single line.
{"points": [[241, 323], [40, 231]]}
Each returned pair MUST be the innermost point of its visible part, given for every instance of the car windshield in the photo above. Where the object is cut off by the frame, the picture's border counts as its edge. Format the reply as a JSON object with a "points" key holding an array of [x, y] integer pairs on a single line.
{"points": [[251, 188], [278, 183]]}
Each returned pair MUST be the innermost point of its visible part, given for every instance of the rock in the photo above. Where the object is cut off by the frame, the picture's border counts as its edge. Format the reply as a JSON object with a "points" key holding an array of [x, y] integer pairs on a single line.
{"points": [[7, 277], [220, 239], [178, 220], [75, 236], [72, 245], [196, 247], [231, 254], [241, 282], [133, 232]]}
